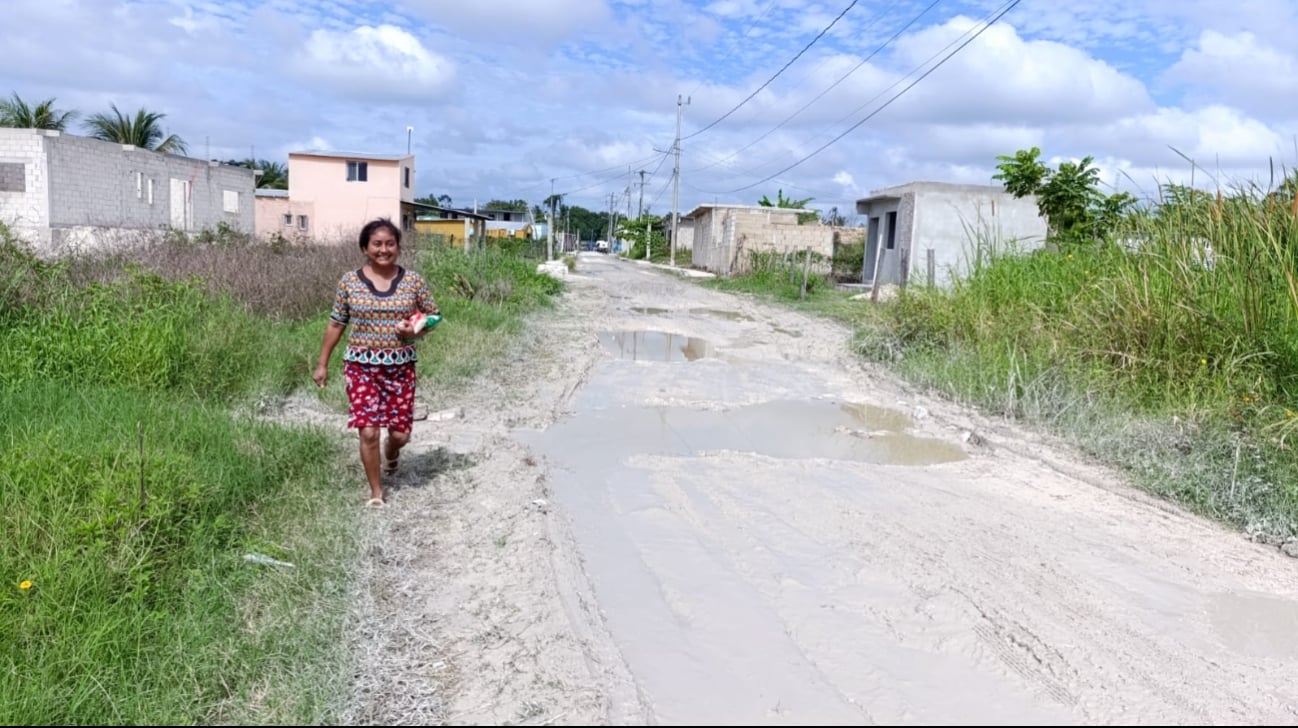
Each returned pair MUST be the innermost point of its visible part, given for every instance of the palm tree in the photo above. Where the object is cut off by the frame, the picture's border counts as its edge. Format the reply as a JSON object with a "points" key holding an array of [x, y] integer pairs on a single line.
{"points": [[143, 131], [274, 175], [16, 114]]}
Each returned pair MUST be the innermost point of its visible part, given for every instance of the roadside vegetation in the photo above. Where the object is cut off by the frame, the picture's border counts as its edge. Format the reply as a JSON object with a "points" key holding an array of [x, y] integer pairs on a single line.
{"points": [[1161, 338], [136, 474]]}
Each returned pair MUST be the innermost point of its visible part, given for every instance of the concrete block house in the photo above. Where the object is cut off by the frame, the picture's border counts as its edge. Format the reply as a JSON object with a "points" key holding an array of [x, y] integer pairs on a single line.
{"points": [[66, 193]]}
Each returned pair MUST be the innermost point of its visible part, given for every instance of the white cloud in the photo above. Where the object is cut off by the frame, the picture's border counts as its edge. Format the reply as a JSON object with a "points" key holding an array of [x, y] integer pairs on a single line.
{"points": [[1002, 77], [1239, 69], [1214, 135], [383, 63], [516, 20]]}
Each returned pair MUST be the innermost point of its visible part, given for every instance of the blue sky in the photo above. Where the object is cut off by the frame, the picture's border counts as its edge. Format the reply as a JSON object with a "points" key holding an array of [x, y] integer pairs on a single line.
{"points": [[506, 95]]}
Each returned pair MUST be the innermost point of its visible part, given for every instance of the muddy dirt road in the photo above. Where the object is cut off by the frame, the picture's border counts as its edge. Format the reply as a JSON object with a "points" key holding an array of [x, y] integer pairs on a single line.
{"points": [[678, 506]]}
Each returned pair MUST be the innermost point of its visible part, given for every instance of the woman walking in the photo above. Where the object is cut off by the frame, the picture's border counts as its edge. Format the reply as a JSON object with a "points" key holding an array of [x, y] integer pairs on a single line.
{"points": [[379, 361]]}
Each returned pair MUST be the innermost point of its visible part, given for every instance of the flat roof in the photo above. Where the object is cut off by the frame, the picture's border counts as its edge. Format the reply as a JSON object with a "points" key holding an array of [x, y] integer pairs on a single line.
{"points": [[370, 156]]}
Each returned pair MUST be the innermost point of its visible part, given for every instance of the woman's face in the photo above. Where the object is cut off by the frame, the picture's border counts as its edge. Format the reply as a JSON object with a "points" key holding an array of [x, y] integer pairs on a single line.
{"points": [[382, 249]]}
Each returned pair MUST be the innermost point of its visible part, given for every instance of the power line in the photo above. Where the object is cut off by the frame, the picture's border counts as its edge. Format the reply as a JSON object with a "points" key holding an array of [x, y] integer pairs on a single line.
{"points": [[751, 26], [777, 73], [989, 18], [831, 87], [618, 176], [1010, 6], [606, 169]]}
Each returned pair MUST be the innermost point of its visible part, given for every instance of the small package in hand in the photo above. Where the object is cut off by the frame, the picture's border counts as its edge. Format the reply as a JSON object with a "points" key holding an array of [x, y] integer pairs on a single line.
{"points": [[422, 323]]}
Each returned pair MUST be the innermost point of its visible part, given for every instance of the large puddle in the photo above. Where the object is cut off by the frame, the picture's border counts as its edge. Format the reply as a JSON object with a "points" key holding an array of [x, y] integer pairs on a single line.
{"points": [[655, 346], [711, 312], [781, 429]]}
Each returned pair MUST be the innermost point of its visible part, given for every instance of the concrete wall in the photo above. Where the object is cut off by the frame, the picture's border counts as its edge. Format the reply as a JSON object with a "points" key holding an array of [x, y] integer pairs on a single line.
{"points": [[343, 207], [726, 237], [270, 218], [24, 184], [953, 220], [87, 193], [684, 233]]}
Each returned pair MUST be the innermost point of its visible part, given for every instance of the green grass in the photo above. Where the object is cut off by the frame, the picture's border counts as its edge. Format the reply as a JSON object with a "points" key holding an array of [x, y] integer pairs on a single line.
{"points": [[141, 609]]}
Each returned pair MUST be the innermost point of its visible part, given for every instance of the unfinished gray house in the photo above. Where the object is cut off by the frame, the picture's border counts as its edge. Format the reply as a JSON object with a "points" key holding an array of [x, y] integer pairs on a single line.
{"points": [[922, 224], [63, 193], [724, 236]]}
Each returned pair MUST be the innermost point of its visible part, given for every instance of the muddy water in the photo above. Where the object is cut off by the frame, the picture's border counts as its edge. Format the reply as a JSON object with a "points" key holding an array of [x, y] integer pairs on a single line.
{"points": [[654, 346], [786, 430]]}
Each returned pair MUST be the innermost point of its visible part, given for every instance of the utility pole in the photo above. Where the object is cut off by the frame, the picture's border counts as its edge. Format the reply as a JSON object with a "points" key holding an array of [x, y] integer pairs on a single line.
{"points": [[676, 184], [628, 191], [549, 227], [612, 212], [639, 210]]}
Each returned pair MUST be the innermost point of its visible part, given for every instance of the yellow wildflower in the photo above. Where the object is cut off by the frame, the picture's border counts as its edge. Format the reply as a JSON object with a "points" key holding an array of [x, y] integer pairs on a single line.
{"points": [[24, 585], [1204, 362]]}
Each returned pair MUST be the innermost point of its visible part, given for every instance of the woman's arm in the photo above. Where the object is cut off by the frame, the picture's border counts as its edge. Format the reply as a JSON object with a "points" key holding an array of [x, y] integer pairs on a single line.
{"points": [[333, 333]]}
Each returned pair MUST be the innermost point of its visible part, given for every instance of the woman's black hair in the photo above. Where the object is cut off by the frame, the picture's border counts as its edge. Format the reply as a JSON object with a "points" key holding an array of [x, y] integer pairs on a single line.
{"points": [[373, 225]]}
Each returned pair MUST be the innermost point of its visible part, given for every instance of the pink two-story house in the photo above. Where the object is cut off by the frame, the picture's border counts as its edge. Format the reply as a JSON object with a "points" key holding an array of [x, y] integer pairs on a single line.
{"points": [[331, 195]]}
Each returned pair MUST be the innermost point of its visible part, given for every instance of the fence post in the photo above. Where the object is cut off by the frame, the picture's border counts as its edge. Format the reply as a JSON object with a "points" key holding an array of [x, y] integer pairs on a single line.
{"points": [[878, 267], [932, 267], [806, 267]]}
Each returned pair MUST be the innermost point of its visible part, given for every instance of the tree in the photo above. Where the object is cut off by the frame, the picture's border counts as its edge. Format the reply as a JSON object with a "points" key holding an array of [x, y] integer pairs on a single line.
{"points": [[438, 201], [144, 131], [274, 176], [1068, 198], [647, 228], [513, 205], [791, 204], [16, 114], [1022, 174]]}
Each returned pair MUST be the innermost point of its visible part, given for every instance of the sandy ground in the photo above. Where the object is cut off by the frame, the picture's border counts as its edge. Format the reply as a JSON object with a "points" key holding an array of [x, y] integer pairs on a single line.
{"points": [[679, 506]]}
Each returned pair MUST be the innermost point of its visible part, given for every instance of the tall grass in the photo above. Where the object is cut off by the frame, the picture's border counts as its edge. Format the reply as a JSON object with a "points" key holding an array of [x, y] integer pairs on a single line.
{"points": [[485, 296], [780, 276], [1172, 352]]}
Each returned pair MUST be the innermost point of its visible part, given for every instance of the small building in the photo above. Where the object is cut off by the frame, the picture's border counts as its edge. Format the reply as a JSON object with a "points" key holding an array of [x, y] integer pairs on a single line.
{"points": [[278, 215], [911, 224], [331, 195], [725, 237], [65, 193], [454, 226]]}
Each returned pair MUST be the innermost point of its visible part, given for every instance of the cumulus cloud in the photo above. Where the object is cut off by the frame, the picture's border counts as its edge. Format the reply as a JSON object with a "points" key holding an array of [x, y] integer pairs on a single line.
{"points": [[383, 63]]}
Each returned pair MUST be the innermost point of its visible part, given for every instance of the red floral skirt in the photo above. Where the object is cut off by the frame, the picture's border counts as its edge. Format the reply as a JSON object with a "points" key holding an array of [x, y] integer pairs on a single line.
{"points": [[381, 395]]}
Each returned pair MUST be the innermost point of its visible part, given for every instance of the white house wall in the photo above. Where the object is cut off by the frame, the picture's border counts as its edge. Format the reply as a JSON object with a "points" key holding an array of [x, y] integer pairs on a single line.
{"points": [[953, 219], [24, 184]]}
